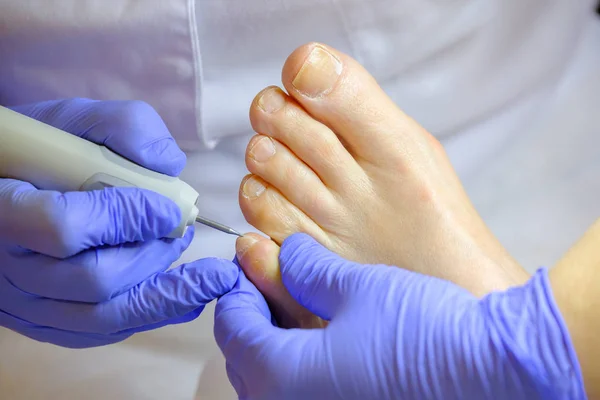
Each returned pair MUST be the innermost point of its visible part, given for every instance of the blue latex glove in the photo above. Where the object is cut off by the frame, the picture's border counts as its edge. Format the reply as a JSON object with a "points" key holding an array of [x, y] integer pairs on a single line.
{"points": [[394, 334], [87, 269]]}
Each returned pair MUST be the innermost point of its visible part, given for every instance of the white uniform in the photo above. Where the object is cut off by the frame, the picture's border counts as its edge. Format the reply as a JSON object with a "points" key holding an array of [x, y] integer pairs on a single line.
{"points": [[510, 86]]}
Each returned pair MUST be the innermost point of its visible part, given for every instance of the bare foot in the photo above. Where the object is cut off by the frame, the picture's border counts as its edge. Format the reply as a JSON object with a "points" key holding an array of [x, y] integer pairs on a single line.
{"points": [[338, 160]]}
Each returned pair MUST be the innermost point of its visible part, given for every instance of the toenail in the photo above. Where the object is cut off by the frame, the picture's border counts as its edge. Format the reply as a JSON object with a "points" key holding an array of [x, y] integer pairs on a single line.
{"points": [[262, 149], [319, 73], [243, 244], [252, 188], [271, 100]]}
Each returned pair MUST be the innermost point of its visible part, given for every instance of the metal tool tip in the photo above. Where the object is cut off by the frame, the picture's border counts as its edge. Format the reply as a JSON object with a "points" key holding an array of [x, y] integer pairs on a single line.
{"points": [[217, 226], [234, 232]]}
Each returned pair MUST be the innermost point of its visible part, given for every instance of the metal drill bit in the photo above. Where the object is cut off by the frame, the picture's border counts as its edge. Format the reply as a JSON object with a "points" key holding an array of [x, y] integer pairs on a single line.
{"points": [[217, 226]]}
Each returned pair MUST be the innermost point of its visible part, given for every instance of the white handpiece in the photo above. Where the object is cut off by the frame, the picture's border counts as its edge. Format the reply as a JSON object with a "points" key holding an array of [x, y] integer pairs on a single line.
{"points": [[52, 159]]}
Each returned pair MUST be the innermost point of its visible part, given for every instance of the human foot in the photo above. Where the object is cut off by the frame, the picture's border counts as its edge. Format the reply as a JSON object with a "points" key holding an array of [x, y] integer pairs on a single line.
{"points": [[338, 160]]}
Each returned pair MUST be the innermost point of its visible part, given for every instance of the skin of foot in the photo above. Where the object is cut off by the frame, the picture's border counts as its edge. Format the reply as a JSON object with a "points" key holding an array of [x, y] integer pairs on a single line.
{"points": [[336, 158]]}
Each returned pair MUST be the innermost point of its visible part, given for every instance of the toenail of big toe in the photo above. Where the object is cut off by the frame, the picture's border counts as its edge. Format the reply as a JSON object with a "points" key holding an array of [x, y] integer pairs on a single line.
{"points": [[318, 74], [252, 188], [262, 149]]}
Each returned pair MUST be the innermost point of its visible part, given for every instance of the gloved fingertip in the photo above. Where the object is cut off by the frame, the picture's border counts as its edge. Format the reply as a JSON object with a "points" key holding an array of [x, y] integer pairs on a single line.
{"points": [[244, 294], [155, 215], [188, 238], [184, 242], [229, 270], [163, 208], [211, 278], [182, 319], [191, 316], [314, 275], [298, 241], [167, 156], [230, 274], [125, 215], [296, 248]]}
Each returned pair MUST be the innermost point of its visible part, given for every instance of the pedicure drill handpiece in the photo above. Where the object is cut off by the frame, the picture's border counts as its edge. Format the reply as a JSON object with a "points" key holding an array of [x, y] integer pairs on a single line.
{"points": [[52, 159]]}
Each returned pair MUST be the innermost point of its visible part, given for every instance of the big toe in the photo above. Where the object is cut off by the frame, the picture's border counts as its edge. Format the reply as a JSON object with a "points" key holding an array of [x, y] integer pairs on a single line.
{"points": [[336, 90], [259, 259]]}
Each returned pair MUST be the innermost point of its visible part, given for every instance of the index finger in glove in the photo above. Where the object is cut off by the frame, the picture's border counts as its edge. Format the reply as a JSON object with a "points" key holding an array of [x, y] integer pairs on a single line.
{"points": [[95, 275], [162, 297], [131, 128], [61, 225]]}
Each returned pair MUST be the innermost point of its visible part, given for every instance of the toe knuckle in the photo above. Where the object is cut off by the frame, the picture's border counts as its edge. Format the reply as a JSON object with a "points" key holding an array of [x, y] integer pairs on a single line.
{"points": [[295, 117], [329, 150], [291, 173], [322, 204]]}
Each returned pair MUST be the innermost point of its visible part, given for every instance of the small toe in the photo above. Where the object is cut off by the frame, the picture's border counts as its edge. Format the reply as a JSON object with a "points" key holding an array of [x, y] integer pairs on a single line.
{"points": [[281, 169], [259, 258], [265, 208]]}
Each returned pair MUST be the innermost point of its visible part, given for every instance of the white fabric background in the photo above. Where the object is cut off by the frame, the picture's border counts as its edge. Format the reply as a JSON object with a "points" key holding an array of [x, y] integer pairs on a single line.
{"points": [[518, 117]]}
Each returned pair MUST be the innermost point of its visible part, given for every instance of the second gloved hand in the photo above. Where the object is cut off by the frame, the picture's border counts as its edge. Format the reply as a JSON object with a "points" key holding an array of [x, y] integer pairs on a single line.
{"points": [[394, 334], [85, 269]]}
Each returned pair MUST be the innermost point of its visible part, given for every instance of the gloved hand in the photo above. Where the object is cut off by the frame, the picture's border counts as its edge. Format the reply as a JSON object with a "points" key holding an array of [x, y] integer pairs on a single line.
{"points": [[394, 334], [88, 268]]}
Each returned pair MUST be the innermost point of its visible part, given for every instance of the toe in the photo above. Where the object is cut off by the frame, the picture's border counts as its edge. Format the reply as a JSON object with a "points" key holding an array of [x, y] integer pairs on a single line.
{"points": [[275, 114], [339, 92], [265, 208], [281, 169], [258, 257]]}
